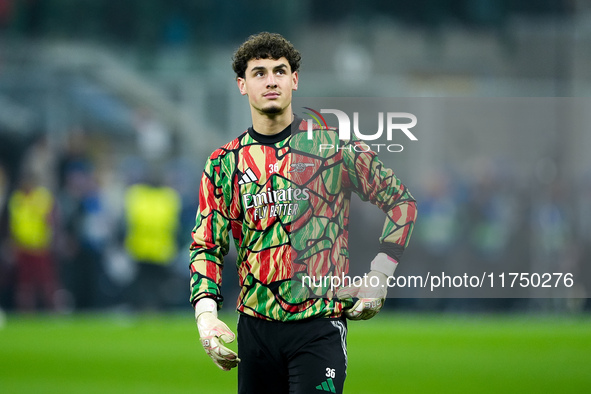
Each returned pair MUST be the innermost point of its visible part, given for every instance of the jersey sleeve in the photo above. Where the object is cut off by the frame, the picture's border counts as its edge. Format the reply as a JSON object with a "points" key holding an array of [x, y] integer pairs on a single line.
{"points": [[210, 236], [365, 174]]}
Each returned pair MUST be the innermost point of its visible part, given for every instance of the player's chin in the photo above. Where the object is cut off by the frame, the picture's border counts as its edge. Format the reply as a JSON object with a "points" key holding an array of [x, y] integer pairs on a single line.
{"points": [[272, 109]]}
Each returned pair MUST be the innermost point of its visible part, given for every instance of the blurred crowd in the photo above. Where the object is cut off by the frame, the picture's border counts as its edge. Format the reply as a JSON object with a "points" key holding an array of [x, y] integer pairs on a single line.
{"points": [[486, 218], [79, 235], [492, 220]]}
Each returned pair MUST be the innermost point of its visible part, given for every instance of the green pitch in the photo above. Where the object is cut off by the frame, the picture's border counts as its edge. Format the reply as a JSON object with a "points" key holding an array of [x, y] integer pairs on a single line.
{"points": [[392, 353]]}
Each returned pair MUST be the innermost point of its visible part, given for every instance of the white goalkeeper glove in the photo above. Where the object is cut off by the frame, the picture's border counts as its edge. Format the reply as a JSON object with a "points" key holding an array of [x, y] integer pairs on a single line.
{"points": [[213, 332], [371, 293]]}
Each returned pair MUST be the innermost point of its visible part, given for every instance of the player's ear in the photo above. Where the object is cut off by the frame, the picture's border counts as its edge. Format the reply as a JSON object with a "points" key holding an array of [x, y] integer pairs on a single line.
{"points": [[294, 80], [241, 85]]}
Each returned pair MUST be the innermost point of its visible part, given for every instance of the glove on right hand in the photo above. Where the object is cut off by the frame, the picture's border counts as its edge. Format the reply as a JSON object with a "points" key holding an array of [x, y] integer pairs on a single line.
{"points": [[213, 332]]}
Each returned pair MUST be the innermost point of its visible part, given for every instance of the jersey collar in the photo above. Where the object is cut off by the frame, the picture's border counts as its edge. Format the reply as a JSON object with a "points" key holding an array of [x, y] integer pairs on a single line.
{"points": [[272, 139]]}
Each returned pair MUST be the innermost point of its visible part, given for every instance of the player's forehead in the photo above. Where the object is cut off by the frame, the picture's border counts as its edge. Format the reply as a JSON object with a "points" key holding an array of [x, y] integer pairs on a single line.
{"points": [[268, 64]]}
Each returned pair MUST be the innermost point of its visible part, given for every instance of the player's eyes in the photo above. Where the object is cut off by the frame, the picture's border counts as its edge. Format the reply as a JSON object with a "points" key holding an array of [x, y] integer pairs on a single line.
{"points": [[261, 73]]}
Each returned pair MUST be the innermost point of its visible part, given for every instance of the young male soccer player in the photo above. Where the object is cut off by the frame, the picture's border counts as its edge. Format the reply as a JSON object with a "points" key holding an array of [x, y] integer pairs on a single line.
{"points": [[287, 208]]}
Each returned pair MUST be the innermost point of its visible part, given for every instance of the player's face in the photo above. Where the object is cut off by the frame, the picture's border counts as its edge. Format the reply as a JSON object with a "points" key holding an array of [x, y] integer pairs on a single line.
{"points": [[269, 84]]}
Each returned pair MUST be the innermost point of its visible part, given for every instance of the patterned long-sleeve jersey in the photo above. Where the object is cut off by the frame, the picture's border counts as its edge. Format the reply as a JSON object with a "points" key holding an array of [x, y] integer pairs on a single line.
{"points": [[285, 199]]}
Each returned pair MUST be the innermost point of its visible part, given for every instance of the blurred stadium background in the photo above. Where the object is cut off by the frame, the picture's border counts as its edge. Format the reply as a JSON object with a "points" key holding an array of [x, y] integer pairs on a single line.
{"points": [[110, 106]]}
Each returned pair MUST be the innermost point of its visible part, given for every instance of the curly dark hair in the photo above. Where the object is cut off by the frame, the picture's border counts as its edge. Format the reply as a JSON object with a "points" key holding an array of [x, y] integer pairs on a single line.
{"points": [[265, 45]]}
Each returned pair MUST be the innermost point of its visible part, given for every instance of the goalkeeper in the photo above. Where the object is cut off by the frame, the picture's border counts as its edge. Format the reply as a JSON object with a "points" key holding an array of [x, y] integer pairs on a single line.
{"points": [[288, 214]]}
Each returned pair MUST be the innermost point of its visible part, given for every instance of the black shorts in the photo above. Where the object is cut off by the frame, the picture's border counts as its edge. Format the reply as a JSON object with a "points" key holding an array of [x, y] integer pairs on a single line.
{"points": [[306, 357]]}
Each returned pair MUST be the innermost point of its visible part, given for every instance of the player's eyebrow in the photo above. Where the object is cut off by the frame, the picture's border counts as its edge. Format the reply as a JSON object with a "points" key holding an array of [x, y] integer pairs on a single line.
{"points": [[262, 68]]}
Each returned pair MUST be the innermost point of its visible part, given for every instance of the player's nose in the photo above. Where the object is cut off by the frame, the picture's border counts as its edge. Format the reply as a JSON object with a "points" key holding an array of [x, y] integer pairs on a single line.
{"points": [[271, 82]]}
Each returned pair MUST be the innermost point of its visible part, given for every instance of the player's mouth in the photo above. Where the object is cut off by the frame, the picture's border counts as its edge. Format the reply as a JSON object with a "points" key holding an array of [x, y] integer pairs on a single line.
{"points": [[271, 95]]}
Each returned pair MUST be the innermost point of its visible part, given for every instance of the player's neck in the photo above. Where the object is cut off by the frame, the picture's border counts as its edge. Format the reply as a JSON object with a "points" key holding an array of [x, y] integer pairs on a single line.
{"points": [[271, 124]]}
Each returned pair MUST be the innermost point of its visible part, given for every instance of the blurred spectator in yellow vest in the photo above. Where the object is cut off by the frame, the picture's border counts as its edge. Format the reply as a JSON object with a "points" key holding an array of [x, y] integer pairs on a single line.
{"points": [[31, 228], [152, 220]]}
